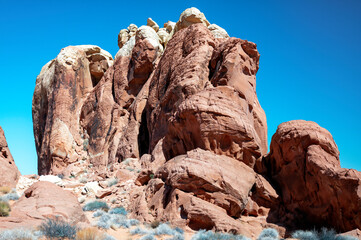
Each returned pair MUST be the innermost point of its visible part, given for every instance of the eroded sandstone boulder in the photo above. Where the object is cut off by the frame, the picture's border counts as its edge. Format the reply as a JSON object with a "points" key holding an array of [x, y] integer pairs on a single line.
{"points": [[316, 191], [43, 200], [9, 173]]}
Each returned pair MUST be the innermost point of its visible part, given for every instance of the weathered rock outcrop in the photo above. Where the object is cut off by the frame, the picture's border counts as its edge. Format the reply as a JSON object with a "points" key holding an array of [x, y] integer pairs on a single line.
{"points": [[203, 95], [9, 173], [60, 90], [43, 200], [316, 191], [201, 190]]}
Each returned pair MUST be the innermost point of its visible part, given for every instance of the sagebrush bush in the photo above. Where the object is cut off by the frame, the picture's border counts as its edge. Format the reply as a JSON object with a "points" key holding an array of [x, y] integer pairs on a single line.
{"points": [[112, 182], [140, 231], [9, 196], [91, 206], [57, 228], [268, 234], [106, 220], [206, 235], [98, 213], [118, 210], [323, 234], [4, 209], [18, 234], [148, 237], [164, 229]]}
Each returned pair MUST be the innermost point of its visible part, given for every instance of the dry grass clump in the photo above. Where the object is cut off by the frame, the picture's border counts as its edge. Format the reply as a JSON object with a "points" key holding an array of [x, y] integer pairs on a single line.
{"points": [[89, 234], [5, 189], [4, 209]]}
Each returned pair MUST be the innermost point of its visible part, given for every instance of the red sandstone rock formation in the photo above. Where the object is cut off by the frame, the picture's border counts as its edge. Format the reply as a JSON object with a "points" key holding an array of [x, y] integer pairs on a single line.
{"points": [[192, 116], [60, 91], [43, 200], [9, 173], [316, 191]]}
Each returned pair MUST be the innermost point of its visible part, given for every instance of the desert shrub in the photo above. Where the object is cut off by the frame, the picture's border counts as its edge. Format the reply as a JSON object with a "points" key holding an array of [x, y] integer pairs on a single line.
{"points": [[305, 235], [5, 189], [60, 175], [98, 213], [205, 235], [148, 237], [57, 228], [268, 234], [133, 222], [18, 234], [9, 196], [323, 234], [140, 231], [154, 224], [118, 210], [178, 236], [4, 209], [112, 182], [91, 206], [107, 220], [108, 237], [103, 225], [164, 229]]}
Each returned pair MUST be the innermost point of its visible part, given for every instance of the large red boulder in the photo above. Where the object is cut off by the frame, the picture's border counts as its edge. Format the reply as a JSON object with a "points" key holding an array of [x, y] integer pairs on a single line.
{"points": [[316, 191], [40, 201], [9, 173]]}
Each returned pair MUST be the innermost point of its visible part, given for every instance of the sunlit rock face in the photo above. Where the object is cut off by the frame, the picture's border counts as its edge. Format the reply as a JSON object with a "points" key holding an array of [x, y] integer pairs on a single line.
{"points": [[181, 100]]}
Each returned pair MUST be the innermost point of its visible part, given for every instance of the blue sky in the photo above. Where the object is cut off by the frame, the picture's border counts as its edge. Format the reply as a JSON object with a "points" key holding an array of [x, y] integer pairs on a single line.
{"points": [[310, 66]]}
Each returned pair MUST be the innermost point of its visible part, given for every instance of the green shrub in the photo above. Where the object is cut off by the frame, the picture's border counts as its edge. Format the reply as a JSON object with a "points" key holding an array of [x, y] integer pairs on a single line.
{"points": [[4, 209], [91, 206], [58, 229], [118, 210]]}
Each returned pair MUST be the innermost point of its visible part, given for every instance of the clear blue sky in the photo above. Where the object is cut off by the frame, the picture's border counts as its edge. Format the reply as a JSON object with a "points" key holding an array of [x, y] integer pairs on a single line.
{"points": [[310, 66]]}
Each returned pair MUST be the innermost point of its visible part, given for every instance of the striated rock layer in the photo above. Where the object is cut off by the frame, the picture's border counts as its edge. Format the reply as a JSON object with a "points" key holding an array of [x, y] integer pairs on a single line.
{"points": [[9, 172]]}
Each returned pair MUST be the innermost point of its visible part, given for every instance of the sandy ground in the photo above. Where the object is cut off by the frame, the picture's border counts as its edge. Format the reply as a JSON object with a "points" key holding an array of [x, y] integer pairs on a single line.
{"points": [[123, 234]]}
